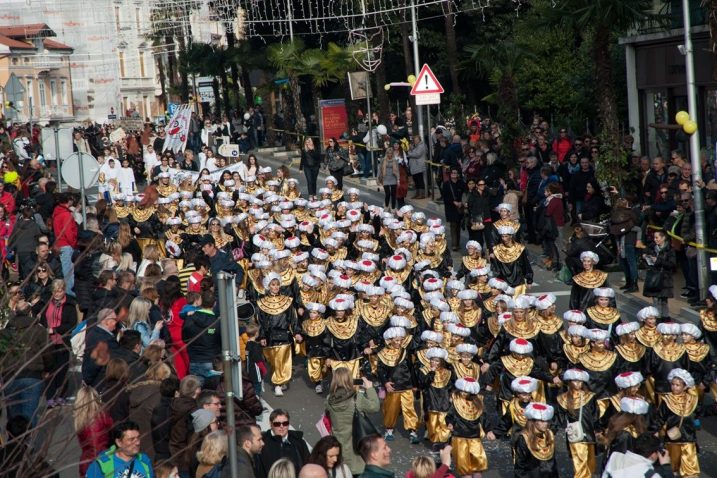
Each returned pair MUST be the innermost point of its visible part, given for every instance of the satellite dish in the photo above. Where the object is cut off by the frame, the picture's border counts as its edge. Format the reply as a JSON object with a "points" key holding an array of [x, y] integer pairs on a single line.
{"points": [[71, 170]]}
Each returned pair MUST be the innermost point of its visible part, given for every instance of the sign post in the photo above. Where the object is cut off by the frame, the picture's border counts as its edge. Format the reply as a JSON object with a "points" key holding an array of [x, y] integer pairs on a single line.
{"points": [[427, 91]]}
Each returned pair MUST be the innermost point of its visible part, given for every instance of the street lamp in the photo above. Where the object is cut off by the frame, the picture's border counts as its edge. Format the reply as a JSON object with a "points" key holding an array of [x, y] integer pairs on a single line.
{"points": [[689, 125]]}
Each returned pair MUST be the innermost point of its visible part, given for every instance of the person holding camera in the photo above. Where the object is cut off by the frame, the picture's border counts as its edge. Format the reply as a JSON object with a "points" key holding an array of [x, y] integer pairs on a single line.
{"points": [[345, 396], [641, 460]]}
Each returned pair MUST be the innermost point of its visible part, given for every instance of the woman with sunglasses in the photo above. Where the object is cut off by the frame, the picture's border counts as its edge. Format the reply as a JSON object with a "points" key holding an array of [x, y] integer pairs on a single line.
{"points": [[39, 289]]}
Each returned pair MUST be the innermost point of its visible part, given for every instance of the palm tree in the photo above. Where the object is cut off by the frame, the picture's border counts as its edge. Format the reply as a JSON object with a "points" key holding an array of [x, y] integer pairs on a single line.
{"points": [[599, 20], [286, 58], [499, 64], [325, 67]]}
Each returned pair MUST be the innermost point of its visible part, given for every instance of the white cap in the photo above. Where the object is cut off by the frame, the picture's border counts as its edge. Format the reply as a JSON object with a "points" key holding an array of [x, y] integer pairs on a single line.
{"points": [[590, 255], [320, 254], [474, 244], [468, 384], [437, 352], [604, 292], [396, 262], [598, 335], [449, 318], [575, 316], [399, 321], [455, 285], [431, 336], [432, 284], [626, 328], [521, 346], [669, 328], [523, 302], [403, 302], [342, 281], [394, 332], [458, 329], [315, 306], [524, 384], [646, 312], [440, 304], [468, 294], [576, 374], [628, 379], [691, 329], [682, 374], [577, 331], [544, 301], [539, 411], [504, 205], [341, 304], [270, 277], [496, 283], [713, 291], [505, 298], [634, 405], [466, 349], [506, 230]]}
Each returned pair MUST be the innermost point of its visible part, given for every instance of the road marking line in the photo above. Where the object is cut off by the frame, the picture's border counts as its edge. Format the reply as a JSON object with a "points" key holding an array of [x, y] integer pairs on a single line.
{"points": [[557, 293]]}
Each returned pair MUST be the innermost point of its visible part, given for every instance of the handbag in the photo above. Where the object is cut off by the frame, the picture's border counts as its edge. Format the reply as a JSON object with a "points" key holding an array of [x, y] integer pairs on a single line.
{"points": [[574, 430], [477, 223], [362, 427], [324, 425], [653, 282], [348, 169], [674, 433], [565, 275]]}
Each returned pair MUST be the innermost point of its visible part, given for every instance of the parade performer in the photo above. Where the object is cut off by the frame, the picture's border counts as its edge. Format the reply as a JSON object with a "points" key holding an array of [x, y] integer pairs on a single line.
{"points": [[313, 331], [585, 283], [534, 449], [278, 328], [509, 261], [467, 422], [603, 315], [435, 385]]}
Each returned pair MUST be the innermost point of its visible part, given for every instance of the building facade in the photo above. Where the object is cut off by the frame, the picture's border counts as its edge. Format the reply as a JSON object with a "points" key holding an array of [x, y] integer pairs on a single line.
{"points": [[657, 81], [35, 74], [113, 68]]}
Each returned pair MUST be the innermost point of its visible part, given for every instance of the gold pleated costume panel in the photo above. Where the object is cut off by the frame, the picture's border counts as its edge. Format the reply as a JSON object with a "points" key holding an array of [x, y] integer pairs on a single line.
{"points": [[436, 428], [684, 458], [352, 365], [315, 368], [279, 356], [400, 403], [583, 456], [469, 455]]}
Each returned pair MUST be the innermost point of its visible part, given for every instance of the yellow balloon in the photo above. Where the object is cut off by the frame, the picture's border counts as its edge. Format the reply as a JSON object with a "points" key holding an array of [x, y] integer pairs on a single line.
{"points": [[690, 127], [682, 117], [387, 86], [411, 79]]}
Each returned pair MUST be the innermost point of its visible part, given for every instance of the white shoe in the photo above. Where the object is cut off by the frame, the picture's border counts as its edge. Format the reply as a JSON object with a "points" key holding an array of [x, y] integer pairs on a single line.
{"points": [[319, 389], [278, 391]]}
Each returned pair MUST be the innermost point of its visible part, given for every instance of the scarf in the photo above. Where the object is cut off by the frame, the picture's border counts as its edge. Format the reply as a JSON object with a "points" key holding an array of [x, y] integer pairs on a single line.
{"points": [[553, 196], [573, 168], [54, 319]]}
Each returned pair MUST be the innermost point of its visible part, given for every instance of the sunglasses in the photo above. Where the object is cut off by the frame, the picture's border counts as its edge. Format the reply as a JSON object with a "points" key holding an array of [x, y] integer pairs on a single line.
{"points": [[664, 192], [481, 184], [280, 424], [41, 269]]}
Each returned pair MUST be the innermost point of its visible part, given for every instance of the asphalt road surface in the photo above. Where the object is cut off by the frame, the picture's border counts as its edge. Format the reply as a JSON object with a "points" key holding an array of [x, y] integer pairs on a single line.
{"points": [[305, 406]]}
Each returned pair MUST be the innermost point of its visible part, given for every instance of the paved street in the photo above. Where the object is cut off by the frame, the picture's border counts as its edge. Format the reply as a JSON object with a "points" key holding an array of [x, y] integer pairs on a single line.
{"points": [[306, 407]]}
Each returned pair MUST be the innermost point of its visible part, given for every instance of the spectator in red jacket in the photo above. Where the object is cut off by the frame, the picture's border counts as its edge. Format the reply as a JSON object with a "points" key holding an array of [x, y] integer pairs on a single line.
{"points": [[92, 425], [65, 229], [562, 145], [7, 200]]}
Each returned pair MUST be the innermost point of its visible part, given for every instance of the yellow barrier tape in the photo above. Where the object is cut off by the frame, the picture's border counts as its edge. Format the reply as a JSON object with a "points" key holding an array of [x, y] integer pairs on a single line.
{"points": [[675, 236]]}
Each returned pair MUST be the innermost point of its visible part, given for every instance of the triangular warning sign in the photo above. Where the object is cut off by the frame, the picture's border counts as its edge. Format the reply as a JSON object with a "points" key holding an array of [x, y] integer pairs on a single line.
{"points": [[426, 82]]}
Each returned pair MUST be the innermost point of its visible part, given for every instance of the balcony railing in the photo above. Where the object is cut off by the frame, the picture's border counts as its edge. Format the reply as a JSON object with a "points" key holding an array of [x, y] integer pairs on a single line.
{"points": [[47, 62], [137, 83]]}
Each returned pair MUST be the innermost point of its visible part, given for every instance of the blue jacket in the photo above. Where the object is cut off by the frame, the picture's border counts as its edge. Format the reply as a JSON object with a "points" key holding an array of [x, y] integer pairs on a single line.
{"points": [[109, 465]]}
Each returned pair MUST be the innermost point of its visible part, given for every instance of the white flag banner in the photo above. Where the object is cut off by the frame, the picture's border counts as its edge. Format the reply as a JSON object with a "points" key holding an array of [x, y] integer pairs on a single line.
{"points": [[178, 129]]}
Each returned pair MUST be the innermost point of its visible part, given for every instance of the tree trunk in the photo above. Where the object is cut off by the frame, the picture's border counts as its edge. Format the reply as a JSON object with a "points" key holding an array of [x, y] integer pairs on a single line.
{"points": [[233, 68], [384, 106], [611, 156], [451, 45], [162, 82], [224, 79], [217, 98], [246, 83], [171, 63], [183, 70], [408, 57], [296, 102]]}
